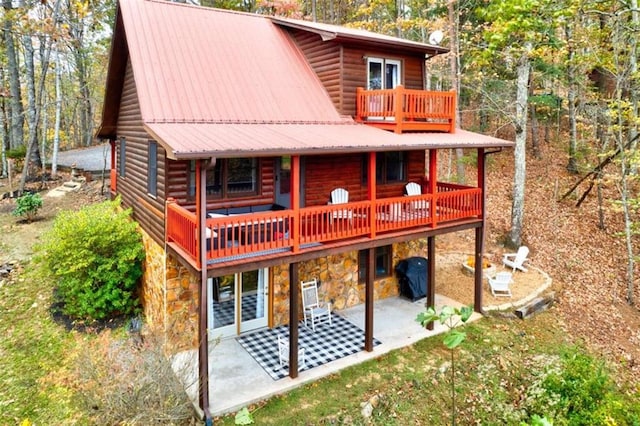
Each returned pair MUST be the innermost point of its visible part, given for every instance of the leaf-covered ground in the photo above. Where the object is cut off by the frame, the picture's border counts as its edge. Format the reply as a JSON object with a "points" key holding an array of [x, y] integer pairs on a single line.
{"points": [[588, 264]]}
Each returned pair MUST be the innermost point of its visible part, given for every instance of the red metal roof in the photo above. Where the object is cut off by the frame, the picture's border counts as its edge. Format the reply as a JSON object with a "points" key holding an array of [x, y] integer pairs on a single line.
{"points": [[232, 140], [194, 64], [212, 82]]}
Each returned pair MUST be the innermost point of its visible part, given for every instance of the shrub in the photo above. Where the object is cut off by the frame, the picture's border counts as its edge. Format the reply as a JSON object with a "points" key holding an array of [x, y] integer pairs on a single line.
{"points": [[97, 254], [28, 205], [128, 381], [581, 392]]}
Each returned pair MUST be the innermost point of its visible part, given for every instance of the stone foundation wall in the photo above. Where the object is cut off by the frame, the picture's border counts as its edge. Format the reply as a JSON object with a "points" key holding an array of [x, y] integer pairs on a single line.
{"points": [[153, 292], [183, 293], [338, 276], [170, 293], [169, 297]]}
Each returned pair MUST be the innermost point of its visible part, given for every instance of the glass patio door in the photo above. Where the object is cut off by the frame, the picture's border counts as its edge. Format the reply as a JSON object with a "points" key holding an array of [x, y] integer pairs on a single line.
{"points": [[237, 303]]}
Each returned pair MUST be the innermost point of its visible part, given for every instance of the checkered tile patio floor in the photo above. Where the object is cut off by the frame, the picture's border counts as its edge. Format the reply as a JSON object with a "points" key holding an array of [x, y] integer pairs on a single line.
{"points": [[326, 344]]}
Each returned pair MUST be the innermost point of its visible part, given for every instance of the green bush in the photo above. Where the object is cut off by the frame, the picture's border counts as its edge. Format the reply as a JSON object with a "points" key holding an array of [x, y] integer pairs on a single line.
{"points": [[28, 205], [581, 392], [97, 254]]}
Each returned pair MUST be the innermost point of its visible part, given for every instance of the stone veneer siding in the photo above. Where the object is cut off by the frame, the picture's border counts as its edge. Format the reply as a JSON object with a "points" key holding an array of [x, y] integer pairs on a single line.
{"points": [[338, 275], [169, 297]]}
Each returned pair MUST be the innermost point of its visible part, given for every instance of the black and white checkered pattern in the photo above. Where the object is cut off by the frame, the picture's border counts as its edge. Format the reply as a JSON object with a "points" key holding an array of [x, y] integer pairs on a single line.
{"points": [[326, 344], [224, 312]]}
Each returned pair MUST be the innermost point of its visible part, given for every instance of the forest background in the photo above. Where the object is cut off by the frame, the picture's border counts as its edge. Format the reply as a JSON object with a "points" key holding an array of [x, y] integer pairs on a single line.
{"points": [[542, 73]]}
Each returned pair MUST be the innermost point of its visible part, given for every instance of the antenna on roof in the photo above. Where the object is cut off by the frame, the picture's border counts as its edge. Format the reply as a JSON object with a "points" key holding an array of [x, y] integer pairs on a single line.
{"points": [[436, 37]]}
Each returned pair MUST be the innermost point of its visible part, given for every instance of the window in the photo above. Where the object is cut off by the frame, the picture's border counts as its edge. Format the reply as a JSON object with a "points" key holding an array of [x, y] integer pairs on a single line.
{"points": [[382, 263], [383, 73], [390, 167], [230, 177], [152, 171], [123, 156]]}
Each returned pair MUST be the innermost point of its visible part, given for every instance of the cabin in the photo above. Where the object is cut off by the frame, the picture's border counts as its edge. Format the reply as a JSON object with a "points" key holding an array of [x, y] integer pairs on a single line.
{"points": [[257, 152]]}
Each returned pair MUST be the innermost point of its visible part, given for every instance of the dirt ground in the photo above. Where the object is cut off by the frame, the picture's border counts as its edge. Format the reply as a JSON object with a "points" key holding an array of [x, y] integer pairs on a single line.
{"points": [[453, 281], [19, 236]]}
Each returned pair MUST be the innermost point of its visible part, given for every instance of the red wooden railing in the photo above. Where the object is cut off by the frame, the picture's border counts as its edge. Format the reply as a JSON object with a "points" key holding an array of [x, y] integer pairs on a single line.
{"points": [[267, 233], [403, 109]]}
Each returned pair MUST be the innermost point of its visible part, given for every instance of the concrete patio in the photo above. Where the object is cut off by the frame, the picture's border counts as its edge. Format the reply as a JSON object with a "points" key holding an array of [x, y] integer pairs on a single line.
{"points": [[237, 380]]}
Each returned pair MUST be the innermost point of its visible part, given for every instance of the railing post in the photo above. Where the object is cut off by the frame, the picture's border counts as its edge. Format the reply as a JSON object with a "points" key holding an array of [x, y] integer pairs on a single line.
{"points": [[295, 203], [399, 102], [167, 220], [452, 117], [359, 104]]}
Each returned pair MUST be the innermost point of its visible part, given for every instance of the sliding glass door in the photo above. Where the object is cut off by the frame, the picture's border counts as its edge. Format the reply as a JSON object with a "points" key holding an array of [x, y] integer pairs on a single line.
{"points": [[238, 303]]}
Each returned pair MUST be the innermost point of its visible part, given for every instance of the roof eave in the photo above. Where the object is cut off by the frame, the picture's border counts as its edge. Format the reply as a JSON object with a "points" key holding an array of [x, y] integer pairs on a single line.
{"points": [[406, 45]]}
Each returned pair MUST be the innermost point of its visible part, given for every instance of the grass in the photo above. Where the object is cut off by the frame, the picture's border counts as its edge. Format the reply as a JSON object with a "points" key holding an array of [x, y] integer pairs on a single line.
{"points": [[37, 355], [499, 370], [500, 376]]}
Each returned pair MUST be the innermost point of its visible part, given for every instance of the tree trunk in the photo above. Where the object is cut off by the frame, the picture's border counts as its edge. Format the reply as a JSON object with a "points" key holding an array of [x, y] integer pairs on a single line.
{"points": [[56, 131], [33, 140], [454, 49], [32, 159], [572, 165], [522, 95], [15, 103], [86, 110]]}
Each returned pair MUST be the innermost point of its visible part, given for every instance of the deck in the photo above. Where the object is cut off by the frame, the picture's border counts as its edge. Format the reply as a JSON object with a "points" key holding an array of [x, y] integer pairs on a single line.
{"points": [[245, 237], [404, 110]]}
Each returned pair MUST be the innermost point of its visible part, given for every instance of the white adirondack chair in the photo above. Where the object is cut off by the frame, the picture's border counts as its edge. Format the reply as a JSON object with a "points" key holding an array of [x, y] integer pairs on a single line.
{"points": [[516, 260], [283, 353], [501, 284]]}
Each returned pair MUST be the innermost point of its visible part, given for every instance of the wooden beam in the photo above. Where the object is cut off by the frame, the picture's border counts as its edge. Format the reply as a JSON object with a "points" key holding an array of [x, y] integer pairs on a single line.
{"points": [[294, 307], [203, 343], [368, 301], [479, 247], [431, 275]]}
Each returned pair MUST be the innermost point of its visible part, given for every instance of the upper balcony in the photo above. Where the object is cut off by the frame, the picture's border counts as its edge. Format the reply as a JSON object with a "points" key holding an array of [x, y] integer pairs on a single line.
{"points": [[406, 110], [241, 238]]}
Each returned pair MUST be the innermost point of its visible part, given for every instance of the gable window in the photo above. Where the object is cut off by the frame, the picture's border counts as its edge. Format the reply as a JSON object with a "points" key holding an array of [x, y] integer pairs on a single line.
{"points": [[152, 171], [391, 167], [382, 263], [230, 177], [383, 73], [123, 156]]}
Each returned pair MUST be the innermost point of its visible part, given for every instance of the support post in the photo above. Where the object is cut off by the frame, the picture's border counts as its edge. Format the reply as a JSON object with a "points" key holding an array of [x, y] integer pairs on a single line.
{"points": [[203, 341], [368, 301], [479, 249], [431, 275], [294, 307]]}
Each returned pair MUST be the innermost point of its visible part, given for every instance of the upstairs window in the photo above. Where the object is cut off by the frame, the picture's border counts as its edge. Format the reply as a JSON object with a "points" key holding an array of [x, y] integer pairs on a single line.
{"points": [[383, 73], [231, 177]]}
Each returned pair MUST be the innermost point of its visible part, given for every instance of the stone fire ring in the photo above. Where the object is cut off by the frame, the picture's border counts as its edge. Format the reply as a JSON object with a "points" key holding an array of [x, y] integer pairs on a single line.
{"points": [[486, 272]]}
